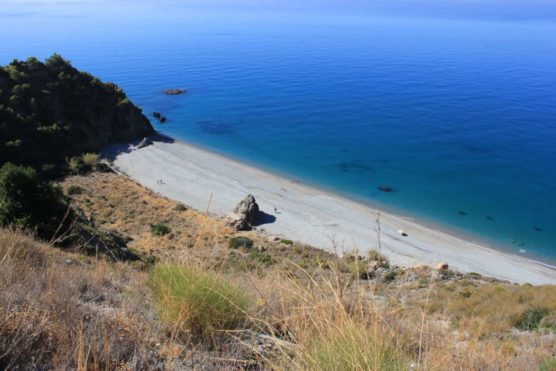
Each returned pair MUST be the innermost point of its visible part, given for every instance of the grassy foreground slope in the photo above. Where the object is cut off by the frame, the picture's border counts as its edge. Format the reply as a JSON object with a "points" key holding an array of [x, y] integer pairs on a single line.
{"points": [[206, 302]]}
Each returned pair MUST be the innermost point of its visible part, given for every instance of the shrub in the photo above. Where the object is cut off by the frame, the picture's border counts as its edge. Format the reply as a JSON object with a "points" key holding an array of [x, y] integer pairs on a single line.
{"points": [[531, 318], [84, 163], [287, 242], [548, 365], [180, 207], [200, 302], [48, 169], [548, 322], [351, 347], [356, 268], [159, 229], [239, 242], [389, 277], [74, 165], [28, 203], [74, 190], [90, 160], [382, 260], [261, 258]]}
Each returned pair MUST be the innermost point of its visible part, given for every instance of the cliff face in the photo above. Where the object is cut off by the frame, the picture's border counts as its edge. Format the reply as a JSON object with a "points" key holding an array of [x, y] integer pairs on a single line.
{"points": [[51, 111]]}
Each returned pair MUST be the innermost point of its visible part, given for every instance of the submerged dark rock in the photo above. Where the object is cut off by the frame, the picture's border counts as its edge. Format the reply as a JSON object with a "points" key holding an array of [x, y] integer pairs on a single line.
{"points": [[174, 91], [537, 229], [219, 127], [162, 119], [385, 188], [354, 166], [462, 213], [157, 115], [490, 218]]}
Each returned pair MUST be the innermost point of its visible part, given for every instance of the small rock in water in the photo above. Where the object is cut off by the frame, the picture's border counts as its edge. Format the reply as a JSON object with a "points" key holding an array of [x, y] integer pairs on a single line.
{"points": [[538, 229], [400, 231], [488, 217], [157, 115], [385, 188], [162, 119], [174, 91], [461, 212]]}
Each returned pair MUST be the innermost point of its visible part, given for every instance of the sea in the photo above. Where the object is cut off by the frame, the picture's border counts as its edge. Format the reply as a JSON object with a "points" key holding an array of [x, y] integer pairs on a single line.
{"points": [[452, 110]]}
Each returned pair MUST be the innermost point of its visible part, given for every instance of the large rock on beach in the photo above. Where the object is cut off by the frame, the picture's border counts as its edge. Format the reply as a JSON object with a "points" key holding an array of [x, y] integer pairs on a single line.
{"points": [[245, 214]]}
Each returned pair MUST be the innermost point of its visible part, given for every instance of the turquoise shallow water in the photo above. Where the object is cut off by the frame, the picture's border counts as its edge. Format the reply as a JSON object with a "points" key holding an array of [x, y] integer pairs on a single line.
{"points": [[458, 116]]}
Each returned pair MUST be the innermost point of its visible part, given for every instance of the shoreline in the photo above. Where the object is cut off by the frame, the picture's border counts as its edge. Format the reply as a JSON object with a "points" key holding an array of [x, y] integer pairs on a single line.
{"points": [[210, 181], [421, 219]]}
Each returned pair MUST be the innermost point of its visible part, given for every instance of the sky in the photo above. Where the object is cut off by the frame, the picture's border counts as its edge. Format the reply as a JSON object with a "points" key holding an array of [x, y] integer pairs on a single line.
{"points": [[500, 9], [475, 9]]}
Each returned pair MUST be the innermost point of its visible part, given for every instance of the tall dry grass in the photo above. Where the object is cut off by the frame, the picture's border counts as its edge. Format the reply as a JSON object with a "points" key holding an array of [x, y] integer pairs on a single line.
{"points": [[63, 311], [58, 312]]}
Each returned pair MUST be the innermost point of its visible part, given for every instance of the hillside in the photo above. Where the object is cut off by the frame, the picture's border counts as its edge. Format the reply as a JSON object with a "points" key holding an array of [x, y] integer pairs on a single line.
{"points": [[51, 111], [204, 301]]}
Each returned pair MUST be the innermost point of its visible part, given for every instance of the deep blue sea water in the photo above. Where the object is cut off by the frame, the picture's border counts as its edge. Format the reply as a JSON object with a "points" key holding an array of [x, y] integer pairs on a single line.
{"points": [[456, 114]]}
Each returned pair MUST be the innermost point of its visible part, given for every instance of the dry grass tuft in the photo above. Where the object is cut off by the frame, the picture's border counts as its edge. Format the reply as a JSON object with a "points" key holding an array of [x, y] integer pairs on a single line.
{"points": [[201, 303], [57, 312]]}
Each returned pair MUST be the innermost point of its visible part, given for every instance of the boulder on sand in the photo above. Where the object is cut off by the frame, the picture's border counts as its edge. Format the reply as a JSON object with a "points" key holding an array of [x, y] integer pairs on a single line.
{"points": [[245, 214]]}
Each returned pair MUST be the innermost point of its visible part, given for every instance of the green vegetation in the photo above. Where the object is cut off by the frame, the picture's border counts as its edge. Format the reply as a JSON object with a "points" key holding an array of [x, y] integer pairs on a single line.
{"points": [[74, 190], [159, 229], [531, 318], [200, 302], [50, 113], [382, 260], [240, 242], [548, 365], [287, 242], [83, 163], [389, 277], [351, 347], [180, 207], [33, 205], [495, 307], [28, 203], [261, 258]]}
